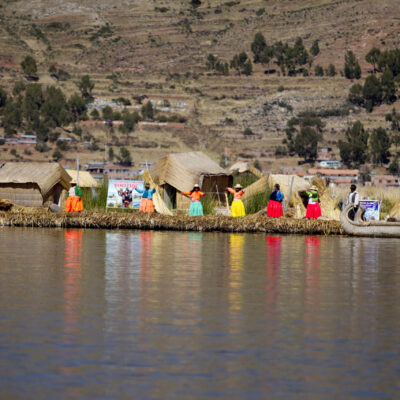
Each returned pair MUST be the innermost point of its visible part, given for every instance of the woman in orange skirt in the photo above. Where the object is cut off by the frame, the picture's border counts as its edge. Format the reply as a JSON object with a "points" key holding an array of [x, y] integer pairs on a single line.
{"points": [[74, 199], [146, 205]]}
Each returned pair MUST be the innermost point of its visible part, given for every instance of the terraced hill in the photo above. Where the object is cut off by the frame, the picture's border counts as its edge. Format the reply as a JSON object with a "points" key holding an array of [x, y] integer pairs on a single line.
{"points": [[159, 48]]}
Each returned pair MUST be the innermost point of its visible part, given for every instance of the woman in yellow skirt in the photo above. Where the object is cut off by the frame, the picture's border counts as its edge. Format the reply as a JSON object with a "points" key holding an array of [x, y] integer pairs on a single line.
{"points": [[237, 207]]}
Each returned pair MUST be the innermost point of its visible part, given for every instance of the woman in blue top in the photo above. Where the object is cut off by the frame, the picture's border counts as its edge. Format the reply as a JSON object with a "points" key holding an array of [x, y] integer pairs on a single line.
{"points": [[275, 203], [146, 205]]}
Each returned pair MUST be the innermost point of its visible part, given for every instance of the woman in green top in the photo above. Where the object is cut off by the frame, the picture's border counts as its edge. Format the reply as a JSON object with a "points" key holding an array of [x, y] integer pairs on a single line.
{"points": [[313, 207]]}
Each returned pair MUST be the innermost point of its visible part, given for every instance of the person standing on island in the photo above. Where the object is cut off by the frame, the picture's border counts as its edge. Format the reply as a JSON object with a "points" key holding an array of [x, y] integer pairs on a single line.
{"points": [[354, 199], [275, 203], [146, 204], [237, 208], [74, 199], [196, 208], [313, 207]]}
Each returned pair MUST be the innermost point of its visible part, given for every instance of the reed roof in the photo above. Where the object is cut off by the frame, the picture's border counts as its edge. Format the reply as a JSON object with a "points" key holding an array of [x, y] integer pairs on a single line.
{"points": [[45, 175], [85, 178], [183, 170], [241, 167]]}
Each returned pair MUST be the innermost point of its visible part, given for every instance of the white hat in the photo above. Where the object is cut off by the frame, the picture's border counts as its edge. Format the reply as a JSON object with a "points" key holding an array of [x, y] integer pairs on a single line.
{"points": [[313, 187], [238, 186], [196, 185]]}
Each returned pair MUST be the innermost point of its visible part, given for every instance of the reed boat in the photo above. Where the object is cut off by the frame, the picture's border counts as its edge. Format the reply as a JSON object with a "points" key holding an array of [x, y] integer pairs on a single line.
{"points": [[361, 227]]}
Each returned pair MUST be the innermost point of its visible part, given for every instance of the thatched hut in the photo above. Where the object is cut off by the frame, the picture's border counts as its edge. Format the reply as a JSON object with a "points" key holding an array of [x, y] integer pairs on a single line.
{"points": [[33, 184], [86, 180], [179, 172], [245, 169]]}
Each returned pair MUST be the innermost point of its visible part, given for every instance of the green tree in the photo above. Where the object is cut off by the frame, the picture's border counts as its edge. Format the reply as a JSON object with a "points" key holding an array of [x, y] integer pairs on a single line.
{"points": [[354, 150], [32, 102], [331, 71], [107, 113], [57, 155], [394, 167], [3, 97], [314, 50], [372, 57], [78, 108], [148, 111], [379, 144], [29, 67], [352, 68], [258, 47], [95, 114], [18, 88], [240, 62], [124, 156], [318, 71], [248, 68], [306, 143], [54, 109], [12, 118], [111, 154], [394, 119], [85, 85], [372, 92], [302, 136], [388, 86], [356, 95]]}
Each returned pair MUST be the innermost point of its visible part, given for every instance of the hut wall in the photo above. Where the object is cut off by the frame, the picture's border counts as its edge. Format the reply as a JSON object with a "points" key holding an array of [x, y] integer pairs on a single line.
{"points": [[214, 185], [182, 202], [23, 194]]}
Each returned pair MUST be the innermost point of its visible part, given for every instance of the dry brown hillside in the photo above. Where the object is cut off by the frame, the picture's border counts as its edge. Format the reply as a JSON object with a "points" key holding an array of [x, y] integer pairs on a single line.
{"points": [[159, 48]]}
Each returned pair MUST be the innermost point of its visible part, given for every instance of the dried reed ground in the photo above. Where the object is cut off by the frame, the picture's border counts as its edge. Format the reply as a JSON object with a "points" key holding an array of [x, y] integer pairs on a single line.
{"points": [[96, 220]]}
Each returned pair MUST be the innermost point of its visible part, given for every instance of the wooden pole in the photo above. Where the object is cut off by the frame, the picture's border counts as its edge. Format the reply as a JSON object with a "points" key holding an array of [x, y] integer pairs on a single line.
{"points": [[77, 169]]}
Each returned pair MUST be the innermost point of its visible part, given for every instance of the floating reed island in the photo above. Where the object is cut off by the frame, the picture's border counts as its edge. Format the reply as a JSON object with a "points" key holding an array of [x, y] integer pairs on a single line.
{"points": [[208, 223]]}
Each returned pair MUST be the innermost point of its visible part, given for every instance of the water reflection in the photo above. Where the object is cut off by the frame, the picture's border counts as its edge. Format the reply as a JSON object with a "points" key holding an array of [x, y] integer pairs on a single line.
{"points": [[273, 265], [72, 280], [104, 314], [236, 243]]}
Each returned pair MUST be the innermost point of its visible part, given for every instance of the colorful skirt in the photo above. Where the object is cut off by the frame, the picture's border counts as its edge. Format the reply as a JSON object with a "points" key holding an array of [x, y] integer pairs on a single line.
{"points": [[237, 208], [196, 209], [274, 209], [313, 211], [147, 205], [74, 204]]}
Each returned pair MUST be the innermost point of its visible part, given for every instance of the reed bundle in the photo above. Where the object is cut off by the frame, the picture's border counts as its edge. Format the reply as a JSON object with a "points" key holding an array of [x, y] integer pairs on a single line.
{"points": [[251, 223]]}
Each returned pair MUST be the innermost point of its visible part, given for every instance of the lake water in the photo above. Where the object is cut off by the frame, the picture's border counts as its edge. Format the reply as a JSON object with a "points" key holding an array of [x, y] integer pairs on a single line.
{"points": [[158, 315]]}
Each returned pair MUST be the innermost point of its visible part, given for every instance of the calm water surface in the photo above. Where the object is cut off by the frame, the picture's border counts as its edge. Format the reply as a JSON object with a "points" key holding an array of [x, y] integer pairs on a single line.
{"points": [[161, 315]]}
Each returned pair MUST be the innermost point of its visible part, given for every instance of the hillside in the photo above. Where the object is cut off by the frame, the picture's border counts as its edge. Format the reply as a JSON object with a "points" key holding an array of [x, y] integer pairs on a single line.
{"points": [[159, 48]]}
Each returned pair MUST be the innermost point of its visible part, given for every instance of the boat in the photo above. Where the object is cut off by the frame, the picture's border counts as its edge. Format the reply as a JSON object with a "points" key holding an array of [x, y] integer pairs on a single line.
{"points": [[361, 227]]}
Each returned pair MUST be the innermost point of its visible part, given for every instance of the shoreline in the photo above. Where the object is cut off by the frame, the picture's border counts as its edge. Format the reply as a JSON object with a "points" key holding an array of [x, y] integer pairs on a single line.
{"points": [[139, 221]]}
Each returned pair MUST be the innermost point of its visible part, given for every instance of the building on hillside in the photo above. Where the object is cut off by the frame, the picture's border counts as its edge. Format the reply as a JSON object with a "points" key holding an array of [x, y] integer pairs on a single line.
{"points": [[100, 170], [324, 153], [340, 177], [179, 172], [33, 184], [385, 181]]}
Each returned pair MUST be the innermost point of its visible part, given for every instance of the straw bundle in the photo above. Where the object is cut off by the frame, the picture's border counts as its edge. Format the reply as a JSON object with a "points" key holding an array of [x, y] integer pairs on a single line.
{"points": [[395, 211], [112, 220], [159, 203], [329, 207]]}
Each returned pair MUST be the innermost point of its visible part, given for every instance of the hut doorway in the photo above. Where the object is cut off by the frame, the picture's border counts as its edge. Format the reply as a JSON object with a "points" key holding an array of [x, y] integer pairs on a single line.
{"points": [[170, 196]]}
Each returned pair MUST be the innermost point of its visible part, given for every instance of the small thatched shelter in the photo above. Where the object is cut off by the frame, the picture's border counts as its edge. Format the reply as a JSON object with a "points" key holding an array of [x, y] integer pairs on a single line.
{"points": [[179, 172], [86, 180], [33, 184], [244, 168]]}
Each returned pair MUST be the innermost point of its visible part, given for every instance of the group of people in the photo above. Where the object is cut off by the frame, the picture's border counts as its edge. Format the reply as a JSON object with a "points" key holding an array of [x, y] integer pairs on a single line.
{"points": [[276, 198], [274, 209]]}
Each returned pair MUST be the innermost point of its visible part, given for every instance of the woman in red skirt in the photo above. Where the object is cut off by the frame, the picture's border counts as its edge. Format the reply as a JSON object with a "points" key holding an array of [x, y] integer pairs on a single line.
{"points": [[275, 203], [313, 207]]}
